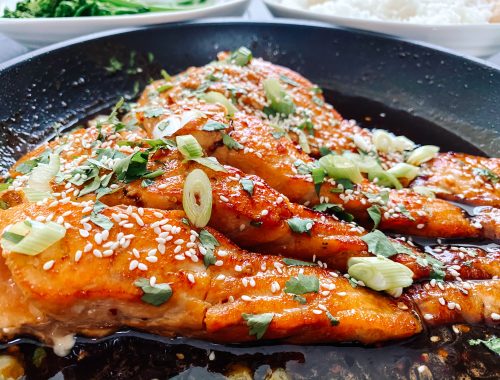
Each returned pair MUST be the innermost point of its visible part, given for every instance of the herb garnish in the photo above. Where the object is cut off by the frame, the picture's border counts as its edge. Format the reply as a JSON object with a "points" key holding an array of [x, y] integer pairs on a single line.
{"points": [[230, 142], [247, 185], [492, 343], [333, 320], [99, 219], [155, 295], [293, 262], [209, 242], [300, 225], [302, 285], [258, 323]]}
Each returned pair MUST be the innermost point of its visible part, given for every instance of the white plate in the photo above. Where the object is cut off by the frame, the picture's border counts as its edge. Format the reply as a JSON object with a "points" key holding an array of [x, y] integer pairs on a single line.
{"points": [[38, 32], [478, 40]]}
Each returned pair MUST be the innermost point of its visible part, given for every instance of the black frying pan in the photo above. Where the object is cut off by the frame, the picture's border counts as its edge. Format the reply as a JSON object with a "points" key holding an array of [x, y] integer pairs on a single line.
{"points": [[429, 95]]}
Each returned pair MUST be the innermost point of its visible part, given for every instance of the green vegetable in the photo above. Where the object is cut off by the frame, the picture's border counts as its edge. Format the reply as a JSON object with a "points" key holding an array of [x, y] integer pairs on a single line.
{"points": [[280, 102], [241, 57], [379, 244], [258, 323], [302, 285], [422, 154], [213, 97], [339, 167], [97, 218], [197, 198], [334, 209], [230, 142], [213, 126], [492, 343], [155, 295], [486, 173], [39, 356], [82, 8], [333, 320], [300, 225], [247, 185], [318, 176], [293, 262], [31, 237], [209, 242], [380, 273], [375, 214]]}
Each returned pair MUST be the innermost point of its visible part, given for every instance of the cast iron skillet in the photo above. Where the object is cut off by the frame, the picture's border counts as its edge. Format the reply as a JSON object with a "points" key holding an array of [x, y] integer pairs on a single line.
{"points": [[432, 96]]}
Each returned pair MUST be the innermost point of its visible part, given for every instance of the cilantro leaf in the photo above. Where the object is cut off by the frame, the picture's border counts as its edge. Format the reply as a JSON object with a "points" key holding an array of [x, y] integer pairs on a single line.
{"points": [[333, 320], [258, 323], [324, 151], [154, 112], [492, 343], [318, 175], [302, 167], [132, 167], [230, 142], [155, 295], [209, 242], [334, 209], [381, 198], [379, 244], [405, 212], [486, 173], [302, 284], [211, 126], [98, 219], [247, 185], [299, 299], [375, 214], [300, 225], [293, 262]]}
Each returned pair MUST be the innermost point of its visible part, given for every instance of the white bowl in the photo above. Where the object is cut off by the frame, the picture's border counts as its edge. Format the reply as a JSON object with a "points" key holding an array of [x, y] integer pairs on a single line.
{"points": [[37, 32], [482, 40]]}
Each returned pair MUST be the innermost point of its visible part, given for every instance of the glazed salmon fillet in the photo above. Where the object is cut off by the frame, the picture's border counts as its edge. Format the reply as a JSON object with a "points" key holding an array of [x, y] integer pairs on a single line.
{"points": [[88, 283], [257, 221], [288, 170], [319, 123]]}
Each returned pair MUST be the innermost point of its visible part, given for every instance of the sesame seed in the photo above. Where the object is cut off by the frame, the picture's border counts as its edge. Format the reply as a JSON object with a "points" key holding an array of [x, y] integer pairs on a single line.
{"points": [[495, 316], [78, 255], [142, 267], [342, 294], [220, 277], [48, 265], [190, 277], [434, 339], [88, 247], [108, 253], [420, 226], [316, 311], [177, 249], [219, 263], [428, 317], [180, 257], [152, 259], [152, 281], [211, 357], [97, 253], [246, 298], [223, 198], [128, 225], [84, 233], [264, 212]]}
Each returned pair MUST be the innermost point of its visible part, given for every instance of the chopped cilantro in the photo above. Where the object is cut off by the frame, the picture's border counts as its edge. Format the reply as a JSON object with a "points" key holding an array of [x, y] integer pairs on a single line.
{"points": [[324, 151], [334, 209], [318, 175], [155, 295], [99, 219], [230, 142], [299, 299], [493, 343], [300, 225], [213, 126], [302, 167], [247, 185], [375, 214], [379, 244], [258, 323], [333, 320], [154, 112], [114, 65], [293, 262], [209, 242], [405, 212], [487, 173], [302, 285]]}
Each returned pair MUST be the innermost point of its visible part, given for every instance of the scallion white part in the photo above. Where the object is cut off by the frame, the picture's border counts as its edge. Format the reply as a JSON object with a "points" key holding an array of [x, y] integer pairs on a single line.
{"points": [[365, 163], [384, 178], [403, 170], [361, 143], [402, 143], [167, 127], [338, 167], [303, 142], [213, 97], [422, 154], [189, 147], [382, 140], [197, 198], [37, 237], [278, 98], [380, 273], [40, 177]]}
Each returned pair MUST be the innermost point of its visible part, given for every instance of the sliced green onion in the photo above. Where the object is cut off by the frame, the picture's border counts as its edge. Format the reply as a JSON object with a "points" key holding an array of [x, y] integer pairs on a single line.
{"points": [[34, 195], [380, 273], [384, 179], [211, 163], [279, 100], [365, 163], [361, 143], [402, 170], [197, 198], [37, 237], [241, 57], [166, 127], [402, 143], [303, 142], [40, 177], [189, 147], [396, 292], [338, 167], [213, 97], [422, 154], [382, 140]]}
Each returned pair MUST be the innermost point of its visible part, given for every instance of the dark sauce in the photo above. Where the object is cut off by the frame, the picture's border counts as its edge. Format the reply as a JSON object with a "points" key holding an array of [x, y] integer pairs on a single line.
{"points": [[136, 355]]}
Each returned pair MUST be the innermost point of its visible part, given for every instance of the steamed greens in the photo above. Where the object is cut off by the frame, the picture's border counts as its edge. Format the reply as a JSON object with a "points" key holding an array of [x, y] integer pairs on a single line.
{"points": [[81, 8]]}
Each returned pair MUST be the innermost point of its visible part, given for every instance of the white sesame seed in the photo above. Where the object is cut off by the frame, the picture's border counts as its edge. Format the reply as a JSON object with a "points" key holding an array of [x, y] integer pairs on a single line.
{"points": [[264, 212], [152, 280], [108, 253], [78, 255], [237, 268], [48, 265], [211, 357], [428, 317], [220, 277], [97, 253], [152, 259], [142, 267], [420, 226], [84, 233], [190, 277], [223, 198], [316, 311], [342, 294], [128, 225], [246, 298], [180, 257], [88, 247], [219, 263], [495, 316]]}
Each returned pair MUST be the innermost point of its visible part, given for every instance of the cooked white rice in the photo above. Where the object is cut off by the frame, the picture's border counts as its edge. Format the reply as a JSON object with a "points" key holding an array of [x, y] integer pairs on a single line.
{"points": [[411, 11]]}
